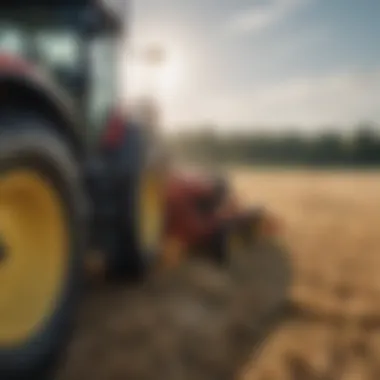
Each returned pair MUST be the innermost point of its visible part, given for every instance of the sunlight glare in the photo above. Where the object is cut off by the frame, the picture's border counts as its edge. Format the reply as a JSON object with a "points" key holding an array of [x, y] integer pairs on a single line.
{"points": [[161, 81]]}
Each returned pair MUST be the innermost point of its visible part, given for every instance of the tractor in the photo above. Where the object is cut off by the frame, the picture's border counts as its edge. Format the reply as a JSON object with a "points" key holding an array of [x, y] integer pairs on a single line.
{"points": [[83, 181], [77, 175]]}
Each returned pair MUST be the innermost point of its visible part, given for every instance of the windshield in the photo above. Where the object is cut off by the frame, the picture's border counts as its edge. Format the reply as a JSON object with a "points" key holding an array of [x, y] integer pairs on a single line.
{"points": [[55, 49], [58, 49], [85, 69]]}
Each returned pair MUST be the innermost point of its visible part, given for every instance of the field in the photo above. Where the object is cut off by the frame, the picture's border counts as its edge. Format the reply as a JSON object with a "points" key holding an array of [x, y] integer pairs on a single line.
{"points": [[332, 228], [332, 331]]}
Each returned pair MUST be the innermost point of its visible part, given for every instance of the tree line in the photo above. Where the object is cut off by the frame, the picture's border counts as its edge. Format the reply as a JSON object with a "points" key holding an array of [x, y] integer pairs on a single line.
{"points": [[329, 148]]}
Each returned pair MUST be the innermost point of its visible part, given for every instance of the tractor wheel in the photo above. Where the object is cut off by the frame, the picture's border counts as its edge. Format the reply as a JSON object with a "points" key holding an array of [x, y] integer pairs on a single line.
{"points": [[142, 222], [40, 242]]}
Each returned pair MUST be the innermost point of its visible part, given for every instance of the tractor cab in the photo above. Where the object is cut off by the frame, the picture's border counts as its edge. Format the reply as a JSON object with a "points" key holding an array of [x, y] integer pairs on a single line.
{"points": [[75, 44]]}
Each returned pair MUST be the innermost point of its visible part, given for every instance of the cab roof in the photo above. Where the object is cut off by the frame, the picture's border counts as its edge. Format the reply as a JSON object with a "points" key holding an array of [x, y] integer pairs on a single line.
{"points": [[110, 12], [60, 3]]}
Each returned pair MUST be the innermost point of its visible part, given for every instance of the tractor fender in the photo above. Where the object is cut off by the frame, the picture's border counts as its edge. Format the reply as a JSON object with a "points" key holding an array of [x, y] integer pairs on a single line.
{"points": [[24, 90]]}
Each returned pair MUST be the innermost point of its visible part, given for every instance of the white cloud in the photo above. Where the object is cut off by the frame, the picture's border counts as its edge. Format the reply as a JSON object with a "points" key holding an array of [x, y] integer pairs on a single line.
{"points": [[343, 98], [340, 100], [259, 16]]}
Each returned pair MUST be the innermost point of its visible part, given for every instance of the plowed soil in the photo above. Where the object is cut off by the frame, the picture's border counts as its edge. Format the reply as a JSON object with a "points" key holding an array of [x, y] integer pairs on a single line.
{"points": [[199, 321]]}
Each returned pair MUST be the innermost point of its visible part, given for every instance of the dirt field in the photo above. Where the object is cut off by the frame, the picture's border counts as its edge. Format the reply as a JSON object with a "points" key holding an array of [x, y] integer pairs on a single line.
{"points": [[332, 229], [202, 323]]}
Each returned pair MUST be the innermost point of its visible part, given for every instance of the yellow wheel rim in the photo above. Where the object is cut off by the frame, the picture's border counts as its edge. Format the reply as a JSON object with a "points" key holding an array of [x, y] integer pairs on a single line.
{"points": [[33, 239], [151, 209]]}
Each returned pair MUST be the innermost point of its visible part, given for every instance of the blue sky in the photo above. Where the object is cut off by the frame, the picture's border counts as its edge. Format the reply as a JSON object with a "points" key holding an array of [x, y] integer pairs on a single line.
{"points": [[267, 63]]}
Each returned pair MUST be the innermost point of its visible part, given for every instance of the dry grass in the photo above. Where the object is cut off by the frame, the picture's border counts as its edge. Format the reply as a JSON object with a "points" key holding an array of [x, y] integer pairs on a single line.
{"points": [[332, 226]]}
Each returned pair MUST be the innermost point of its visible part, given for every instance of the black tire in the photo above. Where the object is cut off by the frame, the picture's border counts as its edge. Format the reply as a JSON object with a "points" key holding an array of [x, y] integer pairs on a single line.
{"points": [[32, 146], [219, 245]]}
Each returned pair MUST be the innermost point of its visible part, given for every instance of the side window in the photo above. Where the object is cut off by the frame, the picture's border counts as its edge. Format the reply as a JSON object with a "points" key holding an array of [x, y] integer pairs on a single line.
{"points": [[11, 40], [59, 49]]}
